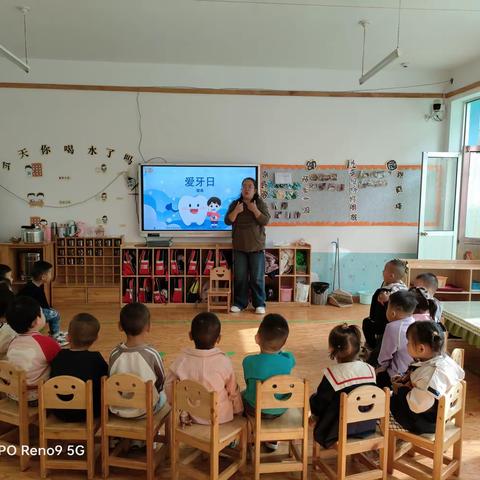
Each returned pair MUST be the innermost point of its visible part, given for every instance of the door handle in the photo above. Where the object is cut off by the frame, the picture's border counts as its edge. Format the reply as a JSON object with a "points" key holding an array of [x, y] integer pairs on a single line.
{"points": [[424, 234]]}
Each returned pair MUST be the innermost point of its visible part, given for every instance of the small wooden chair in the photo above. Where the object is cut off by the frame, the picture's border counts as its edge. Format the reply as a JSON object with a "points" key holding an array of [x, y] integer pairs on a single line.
{"points": [[291, 426], [214, 439], [220, 290], [376, 403], [448, 432], [129, 391], [67, 393], [16, 413], [458, 355]]}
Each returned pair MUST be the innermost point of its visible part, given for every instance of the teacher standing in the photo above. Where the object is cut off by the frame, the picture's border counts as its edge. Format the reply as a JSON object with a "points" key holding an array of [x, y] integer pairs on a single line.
{"points": [[248, 215]]}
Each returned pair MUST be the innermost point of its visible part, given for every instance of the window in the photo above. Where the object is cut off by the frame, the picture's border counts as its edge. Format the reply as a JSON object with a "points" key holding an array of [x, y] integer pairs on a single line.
{"points": [[470, 202], [472, 133]]}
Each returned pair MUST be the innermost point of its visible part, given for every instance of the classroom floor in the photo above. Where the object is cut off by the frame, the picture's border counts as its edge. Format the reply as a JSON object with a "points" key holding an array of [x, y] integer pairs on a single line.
{"points": [[309, 328]]}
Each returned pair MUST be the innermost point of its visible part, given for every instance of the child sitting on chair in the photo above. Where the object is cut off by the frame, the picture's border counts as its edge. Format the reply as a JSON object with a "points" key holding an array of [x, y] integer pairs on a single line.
{"points": [[349, 373], [78, 361], [429, 281], [209, 366], [271, 337], [30, 350], [415, 403], [393, 358], [135, 356], [35, 288], [7, 334], [426, 308], [374, 326]]}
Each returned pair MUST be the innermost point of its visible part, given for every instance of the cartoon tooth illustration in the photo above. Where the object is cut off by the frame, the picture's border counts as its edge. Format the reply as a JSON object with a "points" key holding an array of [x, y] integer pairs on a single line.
{"points": [[193, 209]]}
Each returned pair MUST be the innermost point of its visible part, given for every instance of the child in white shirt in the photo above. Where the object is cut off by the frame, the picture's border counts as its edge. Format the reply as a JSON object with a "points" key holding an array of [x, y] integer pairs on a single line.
{"points": [[415, 404]]}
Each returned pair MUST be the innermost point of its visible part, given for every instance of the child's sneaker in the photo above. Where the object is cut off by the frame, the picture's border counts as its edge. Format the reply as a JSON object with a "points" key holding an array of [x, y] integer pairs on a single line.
{"points": [[270, 446], [61, 338]]}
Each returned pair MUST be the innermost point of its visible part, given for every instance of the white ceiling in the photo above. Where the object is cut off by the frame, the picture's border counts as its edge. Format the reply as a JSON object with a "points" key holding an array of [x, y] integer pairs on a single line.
{"points": [[435, 34]]}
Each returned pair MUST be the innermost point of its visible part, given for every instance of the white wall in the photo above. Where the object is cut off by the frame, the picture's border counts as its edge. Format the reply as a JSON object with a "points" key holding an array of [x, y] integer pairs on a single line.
{"points": [[199, 128]]}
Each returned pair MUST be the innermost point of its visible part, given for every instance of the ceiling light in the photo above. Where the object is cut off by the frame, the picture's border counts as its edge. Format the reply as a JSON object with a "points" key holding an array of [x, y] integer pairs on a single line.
{"points": [[12, 57], [388, 59], [380, 66]]}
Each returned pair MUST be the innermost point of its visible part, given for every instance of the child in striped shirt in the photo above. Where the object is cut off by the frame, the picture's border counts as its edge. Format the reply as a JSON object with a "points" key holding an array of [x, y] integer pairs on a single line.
{"points": [[135, 356]]}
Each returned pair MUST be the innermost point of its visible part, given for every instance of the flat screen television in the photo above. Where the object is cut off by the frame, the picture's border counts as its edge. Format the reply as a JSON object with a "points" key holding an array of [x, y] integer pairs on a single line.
{"points": [[187, 199]]}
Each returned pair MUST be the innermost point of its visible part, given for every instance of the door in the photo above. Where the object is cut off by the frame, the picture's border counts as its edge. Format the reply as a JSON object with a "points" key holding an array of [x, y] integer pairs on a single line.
{"points": [[439, 202]]}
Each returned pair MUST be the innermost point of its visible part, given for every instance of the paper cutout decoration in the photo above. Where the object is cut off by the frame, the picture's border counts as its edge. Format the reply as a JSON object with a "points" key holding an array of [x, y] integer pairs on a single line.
{"points": [[37, 170], [311, 165], [391, 165], [35, 200], [35, 221]]}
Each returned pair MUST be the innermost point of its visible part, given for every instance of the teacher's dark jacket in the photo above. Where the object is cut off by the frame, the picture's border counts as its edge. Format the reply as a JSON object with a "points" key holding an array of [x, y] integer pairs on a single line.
{"points": [[248, 232]]}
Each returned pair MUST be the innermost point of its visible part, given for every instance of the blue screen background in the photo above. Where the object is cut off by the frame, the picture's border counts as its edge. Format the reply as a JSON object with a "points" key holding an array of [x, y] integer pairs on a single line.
{"points": [[190, 198]]}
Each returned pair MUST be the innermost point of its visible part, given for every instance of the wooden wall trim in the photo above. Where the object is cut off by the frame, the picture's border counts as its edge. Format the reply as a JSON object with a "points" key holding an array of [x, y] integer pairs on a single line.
{"points": [[216, 91], [466, 88]]}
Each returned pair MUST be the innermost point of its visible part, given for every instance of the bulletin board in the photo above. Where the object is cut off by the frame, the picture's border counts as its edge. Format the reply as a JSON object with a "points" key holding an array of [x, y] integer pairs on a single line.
{"points": [[341, 195]]}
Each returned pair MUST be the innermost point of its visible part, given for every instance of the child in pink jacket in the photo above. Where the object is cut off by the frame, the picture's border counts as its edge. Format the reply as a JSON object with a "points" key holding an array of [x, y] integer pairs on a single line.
{"points": [[208, 365]]}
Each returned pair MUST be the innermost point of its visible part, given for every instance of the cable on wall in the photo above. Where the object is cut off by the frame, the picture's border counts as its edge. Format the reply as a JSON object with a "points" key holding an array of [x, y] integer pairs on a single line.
{"points": [[81, 202]]}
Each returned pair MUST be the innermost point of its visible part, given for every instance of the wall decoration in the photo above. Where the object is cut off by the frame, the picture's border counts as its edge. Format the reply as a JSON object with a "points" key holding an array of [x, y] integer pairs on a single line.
{"points": [[6, 165], [45, 149], [103, 196], [23, 152], [128, 158], [64, 178], [28, 170], [391, 165], [37, 170], [109, 152], [35, 221], [35, 199], [311, 164], [69, 149], [92, 150], [342, 195]]}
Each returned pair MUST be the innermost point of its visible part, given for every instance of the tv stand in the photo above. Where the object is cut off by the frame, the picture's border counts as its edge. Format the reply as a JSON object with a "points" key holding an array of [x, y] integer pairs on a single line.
{"points": [[155, 240]]}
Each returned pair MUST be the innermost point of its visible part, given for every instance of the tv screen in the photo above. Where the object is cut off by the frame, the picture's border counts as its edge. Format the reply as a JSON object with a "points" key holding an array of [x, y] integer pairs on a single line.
{"points": [[189, 198]]}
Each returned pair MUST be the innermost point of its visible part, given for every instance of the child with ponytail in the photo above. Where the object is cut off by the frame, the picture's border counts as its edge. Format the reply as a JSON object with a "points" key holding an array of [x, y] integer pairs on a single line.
{"points": [[343, 345]]}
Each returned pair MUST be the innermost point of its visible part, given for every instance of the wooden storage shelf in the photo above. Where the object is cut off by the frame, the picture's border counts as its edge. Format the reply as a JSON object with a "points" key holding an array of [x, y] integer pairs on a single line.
{"points": [[460, 273], [88, 270], [143, 280], [165, 271]]}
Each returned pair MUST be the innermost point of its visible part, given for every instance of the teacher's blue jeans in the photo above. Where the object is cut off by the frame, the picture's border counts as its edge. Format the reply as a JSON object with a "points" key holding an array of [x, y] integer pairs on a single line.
{"points": [[249, 272]]}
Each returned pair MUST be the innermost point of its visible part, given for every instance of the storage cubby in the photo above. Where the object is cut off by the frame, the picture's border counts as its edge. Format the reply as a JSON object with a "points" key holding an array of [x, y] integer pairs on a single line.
{"points": [[172, 272], [92, 265], [460, 273], [285, 267]]}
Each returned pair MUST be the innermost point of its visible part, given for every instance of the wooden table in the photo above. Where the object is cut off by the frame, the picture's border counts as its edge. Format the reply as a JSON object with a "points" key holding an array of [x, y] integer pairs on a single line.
{"points": [[463, 319]]}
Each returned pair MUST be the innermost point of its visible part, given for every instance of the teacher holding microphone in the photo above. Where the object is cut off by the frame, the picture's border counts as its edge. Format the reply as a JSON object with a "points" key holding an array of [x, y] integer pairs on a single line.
{"points": [[248, 216]]}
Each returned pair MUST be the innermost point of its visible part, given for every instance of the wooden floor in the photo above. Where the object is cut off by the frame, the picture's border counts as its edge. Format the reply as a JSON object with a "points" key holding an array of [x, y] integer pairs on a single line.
{"points": [[309, 328]]}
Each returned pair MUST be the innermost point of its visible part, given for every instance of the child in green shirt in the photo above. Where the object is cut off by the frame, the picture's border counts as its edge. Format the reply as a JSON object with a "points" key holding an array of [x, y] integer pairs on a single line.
{"points": [[271, 337]]}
